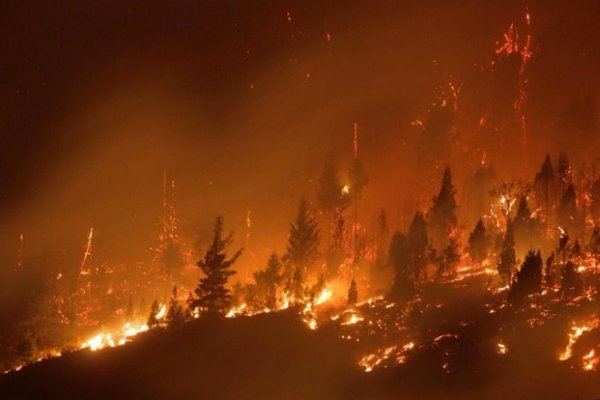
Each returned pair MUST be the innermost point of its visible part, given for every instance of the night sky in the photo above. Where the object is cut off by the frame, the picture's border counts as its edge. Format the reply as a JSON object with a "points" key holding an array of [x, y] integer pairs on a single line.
{"points": [[241, 101]]}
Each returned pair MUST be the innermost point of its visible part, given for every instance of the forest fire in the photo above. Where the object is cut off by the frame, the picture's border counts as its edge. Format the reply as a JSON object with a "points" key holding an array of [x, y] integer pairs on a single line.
{"points": [[282, 200]]}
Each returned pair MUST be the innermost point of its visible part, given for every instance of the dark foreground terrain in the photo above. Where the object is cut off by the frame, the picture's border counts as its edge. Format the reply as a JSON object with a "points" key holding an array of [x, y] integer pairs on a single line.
{"points": [[275, 356]]}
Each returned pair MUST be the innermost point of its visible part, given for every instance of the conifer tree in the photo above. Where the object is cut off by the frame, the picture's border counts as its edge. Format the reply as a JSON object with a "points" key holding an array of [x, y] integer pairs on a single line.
{"points": [[336, 254], [570, 282], [152, 318], [595, 243], [268, 280], [565, 173], [399, 258], [479, 243], [548, 272], [544, 187], [528, 279], [567, 209], [508, 258], [442, 215], [303, 242], [175, 314], [352, 294], [449, 257], [296, 286], [418, 245], [211, 294], [329, 191]]}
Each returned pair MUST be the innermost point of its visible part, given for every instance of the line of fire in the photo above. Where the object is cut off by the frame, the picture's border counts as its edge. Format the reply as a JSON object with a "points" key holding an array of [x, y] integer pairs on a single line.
{"points": [[480, 280]]}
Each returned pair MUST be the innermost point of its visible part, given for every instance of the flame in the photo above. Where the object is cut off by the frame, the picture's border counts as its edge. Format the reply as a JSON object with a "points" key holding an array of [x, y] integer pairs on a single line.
{"points": [[590, 361], [576, 332], [501, 348]]}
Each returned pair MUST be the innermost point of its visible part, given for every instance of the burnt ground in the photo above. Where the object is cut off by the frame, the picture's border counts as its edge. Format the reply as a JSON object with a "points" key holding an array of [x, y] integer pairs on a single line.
{"points": [[275, 356]]}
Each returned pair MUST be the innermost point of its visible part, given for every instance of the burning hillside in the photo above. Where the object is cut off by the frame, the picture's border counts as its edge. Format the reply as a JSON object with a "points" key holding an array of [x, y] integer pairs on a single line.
{"points": [[283, 200]]}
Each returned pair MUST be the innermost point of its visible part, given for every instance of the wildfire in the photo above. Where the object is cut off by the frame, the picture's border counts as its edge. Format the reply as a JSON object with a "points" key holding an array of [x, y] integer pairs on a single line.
{"points": [[108, 339], [574, 334], [590, 361]]}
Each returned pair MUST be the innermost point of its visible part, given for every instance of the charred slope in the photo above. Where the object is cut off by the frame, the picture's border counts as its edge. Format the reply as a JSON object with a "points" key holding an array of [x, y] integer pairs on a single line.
{"points": [[263, 357]]}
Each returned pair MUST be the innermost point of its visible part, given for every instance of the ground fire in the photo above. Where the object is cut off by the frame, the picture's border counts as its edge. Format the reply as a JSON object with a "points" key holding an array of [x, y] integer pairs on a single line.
{"points": [[282, 200]]}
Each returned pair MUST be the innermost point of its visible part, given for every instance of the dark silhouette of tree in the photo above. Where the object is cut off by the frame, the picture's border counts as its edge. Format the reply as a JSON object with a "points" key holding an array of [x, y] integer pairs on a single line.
{"points": [[152, 318], [418, 243], [129, 314], [296, 286], [549, 270], [508, 259], [595, 244], [175, 314], [565, 173], [544, 187], [399, 257], [336, 253], [477, 191], [479, 243], [317, 288], [352, 294], [449, 257], [358, 181], [567, 209], [595, 201], [442, 215], [303, 242], [268, 280], [330, 195], [528, 279], [570, 281], [171, 258], [526, 230], [212, 296]]}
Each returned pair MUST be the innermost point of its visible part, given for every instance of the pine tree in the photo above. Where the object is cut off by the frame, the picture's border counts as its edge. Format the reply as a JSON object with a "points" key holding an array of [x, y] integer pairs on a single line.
{"points": [[442, 215], [175, 314], [479, 243], [211, 294], [528, 279], [567, 209], [303, 242], [296, 286], [268, 280], [595, 243], [352, 294], [129, 313], [317, 288], [418, 243], [329, 191], [508, 258], [595, 204], [544, 186], [449, 258], [548, 273], [336, 254], [570, 282], [358, 180], [153, 317], [565, 173], [399, 258]]}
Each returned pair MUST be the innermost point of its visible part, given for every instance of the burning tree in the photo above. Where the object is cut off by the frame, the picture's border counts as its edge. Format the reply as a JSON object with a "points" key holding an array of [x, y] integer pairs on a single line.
{"points": [[175, 314], [442, 215], [544, 185], [479, 243], [330, 193], [352, 294], [304, 238], [267, 282], [212, 295], [528, 279], [508, 258]]}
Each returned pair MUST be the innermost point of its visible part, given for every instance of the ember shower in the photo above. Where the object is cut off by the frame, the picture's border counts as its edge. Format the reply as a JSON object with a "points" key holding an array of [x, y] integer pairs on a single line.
{"points": [[286, 199]]}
